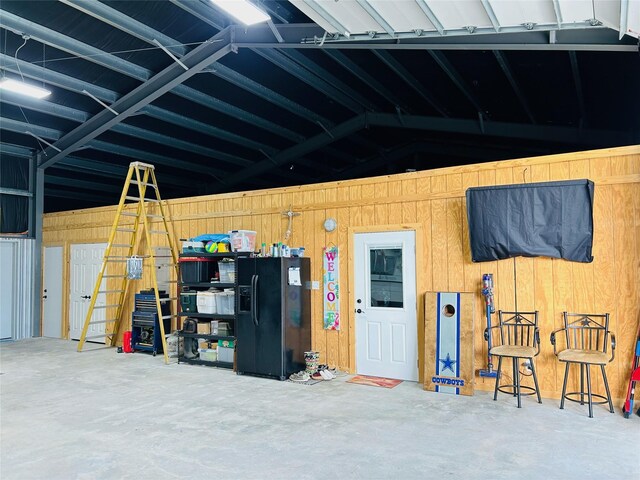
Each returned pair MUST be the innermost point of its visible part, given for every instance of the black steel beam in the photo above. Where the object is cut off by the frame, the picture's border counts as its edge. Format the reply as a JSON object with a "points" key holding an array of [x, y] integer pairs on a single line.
{"points": [[158, 85]]}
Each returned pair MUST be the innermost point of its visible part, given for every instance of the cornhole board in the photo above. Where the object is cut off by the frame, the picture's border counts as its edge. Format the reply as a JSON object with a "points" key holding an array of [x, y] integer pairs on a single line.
{"points": [[449, 342]]}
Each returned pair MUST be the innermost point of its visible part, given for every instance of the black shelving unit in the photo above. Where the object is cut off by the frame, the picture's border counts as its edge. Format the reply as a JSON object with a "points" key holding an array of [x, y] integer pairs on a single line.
{"points": [[210, 316]]}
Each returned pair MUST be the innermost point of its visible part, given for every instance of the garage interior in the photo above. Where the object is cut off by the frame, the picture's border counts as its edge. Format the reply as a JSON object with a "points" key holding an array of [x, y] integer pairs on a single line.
{"points": [[335, 127]]}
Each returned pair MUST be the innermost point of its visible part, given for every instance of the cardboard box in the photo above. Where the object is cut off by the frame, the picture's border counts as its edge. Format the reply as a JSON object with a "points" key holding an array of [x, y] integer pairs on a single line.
{"points": [[204, 328]]}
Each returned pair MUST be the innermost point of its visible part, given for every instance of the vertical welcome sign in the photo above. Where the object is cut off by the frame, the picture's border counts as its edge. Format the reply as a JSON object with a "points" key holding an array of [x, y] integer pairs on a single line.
{"points": [[331, 290]]}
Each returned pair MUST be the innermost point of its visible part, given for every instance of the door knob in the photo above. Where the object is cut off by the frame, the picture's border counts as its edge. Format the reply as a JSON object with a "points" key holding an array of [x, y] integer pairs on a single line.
{"points": [[359, 310], [359, 300]]}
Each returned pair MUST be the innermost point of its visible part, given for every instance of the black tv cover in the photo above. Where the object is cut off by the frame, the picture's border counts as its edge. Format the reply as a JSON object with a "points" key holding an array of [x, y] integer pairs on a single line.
{"points": [[550, 219]]}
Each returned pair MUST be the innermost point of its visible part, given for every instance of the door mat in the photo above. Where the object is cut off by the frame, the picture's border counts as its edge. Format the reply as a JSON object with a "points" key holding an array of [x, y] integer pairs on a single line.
{"points": [[374, 381]]}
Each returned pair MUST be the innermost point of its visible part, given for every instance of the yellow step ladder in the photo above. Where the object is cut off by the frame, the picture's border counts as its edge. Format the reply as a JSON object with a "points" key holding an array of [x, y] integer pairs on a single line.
{"points": [[114, 265]]}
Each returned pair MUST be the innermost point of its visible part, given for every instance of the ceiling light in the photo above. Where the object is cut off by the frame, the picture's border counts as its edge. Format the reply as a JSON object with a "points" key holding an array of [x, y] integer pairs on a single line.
{"points": [[243, 10], [23, 88]]}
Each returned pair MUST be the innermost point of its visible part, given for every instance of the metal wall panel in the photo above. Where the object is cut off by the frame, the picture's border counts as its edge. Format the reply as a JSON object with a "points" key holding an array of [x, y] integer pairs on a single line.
{"points": [[21, 278]]}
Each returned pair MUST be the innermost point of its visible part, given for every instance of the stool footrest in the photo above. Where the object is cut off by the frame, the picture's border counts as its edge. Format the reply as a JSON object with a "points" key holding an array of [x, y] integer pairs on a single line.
{"points": [[514, 392], [585, 398]]}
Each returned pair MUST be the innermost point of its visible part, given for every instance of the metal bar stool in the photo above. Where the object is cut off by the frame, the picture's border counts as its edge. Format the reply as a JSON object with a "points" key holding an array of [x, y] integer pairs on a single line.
{"points": [[587, 337], [519, 338]]}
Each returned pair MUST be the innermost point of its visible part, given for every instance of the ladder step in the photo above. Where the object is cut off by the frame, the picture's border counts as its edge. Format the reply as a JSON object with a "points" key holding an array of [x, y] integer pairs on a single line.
{"points": [[129, 230], [152, 185], [161, 232], [129, 214], [168, 299], [114, 305], [127, 256], [137, 199], [165, 317], [102, 321], [99, 336], [153, 215], [114, 260], [122, 245], [113, 276], [110, 291]]}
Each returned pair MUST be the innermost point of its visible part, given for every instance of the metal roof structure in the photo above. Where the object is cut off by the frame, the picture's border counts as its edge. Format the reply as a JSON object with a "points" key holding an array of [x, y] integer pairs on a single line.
{"points": [[326, 90]]}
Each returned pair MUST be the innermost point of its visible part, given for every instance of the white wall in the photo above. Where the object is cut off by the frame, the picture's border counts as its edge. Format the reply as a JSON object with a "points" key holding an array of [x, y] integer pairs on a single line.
{"points": [[16, 287]]}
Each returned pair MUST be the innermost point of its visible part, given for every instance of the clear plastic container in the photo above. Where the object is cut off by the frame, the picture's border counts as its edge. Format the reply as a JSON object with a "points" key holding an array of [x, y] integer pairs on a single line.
{"points": [[207, 302], [243, 240], [208, 354], [227, 272], [225, 303]]}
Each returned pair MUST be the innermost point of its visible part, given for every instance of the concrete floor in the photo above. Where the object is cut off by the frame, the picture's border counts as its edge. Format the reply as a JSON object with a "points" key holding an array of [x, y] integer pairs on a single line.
{"points": [[102, 415]]}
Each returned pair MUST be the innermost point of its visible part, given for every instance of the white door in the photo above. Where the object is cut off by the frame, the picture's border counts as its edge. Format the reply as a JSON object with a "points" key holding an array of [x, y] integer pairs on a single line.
{"points": [[52, 293], [8, 277], [386, 307], [86, 260]]}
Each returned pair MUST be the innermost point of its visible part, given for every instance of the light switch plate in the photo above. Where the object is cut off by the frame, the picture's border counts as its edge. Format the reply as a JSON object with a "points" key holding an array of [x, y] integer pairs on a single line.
{"points": [[315, 285]]}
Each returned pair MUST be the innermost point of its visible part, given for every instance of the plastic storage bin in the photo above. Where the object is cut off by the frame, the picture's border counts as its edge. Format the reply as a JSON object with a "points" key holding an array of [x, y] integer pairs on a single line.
{"points": [[188, 301], [189, 246], [221, 328], [208, 354], [207, 302], [243, 240], [225, 351], [197, 269], [227, 272], [226, 303]]}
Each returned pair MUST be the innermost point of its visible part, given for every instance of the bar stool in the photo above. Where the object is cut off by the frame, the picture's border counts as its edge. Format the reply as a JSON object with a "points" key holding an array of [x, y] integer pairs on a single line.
{"points": [[519, 338], [586, 339]]}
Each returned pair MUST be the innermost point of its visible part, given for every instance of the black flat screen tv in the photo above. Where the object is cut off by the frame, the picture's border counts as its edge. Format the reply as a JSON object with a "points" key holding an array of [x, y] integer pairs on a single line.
{"points": [[550, 219]]}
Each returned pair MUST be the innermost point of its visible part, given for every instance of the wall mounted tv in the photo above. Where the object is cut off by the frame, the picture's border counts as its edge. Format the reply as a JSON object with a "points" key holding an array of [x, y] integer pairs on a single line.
{"points": [[550, 219]]}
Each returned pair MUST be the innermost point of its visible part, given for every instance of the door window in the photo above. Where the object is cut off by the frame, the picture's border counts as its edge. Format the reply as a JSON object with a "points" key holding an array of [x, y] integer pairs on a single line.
{"points": [[385, 275]]}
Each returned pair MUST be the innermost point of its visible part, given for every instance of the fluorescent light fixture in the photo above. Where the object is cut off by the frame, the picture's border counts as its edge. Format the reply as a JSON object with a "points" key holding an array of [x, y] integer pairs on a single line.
{"points": [[243, 10], [23, 88]]}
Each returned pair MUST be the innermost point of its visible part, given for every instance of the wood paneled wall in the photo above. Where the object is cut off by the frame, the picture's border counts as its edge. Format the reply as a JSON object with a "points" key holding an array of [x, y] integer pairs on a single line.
{"points": [[434, 200]]}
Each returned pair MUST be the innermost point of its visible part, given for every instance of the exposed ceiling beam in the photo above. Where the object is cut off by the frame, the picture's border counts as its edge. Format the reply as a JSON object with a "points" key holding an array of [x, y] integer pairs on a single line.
{"points": [[558, 12], [579, 37], [506, 69], [367, 78], [456, 78], [486, 4], [93, 167], [204, 13], [80, 116], [293, 68], [330, 19], [431, 16], [50, 37], [410, 80], [78, 184], [548, 133], [291, 154], [127, 24], [17, 126], [16, 150], [74, 85], [375, 15], [575, 70], [146, 93], [322, 73], [147, 34]]}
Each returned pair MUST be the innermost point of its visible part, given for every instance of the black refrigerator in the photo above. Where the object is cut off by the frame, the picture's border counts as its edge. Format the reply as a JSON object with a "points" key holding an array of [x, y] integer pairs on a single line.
{"points": [[274, 316]]}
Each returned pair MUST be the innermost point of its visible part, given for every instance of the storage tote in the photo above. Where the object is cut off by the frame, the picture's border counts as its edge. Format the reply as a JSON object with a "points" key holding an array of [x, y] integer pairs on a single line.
{"points": [[207, 302], [243, 240], [188, 301], [197, 269]]}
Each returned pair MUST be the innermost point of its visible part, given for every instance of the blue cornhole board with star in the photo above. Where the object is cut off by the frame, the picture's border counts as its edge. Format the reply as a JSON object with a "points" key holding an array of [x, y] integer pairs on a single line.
{"points": [[449, 342]]}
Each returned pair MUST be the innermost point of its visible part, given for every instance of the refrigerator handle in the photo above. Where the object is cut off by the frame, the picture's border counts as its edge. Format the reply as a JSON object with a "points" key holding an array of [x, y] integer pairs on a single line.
{"points": [[254, 299]]}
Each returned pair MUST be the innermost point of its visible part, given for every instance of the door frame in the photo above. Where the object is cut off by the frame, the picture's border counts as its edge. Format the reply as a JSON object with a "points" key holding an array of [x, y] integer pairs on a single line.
{"points": [[420, 287]]}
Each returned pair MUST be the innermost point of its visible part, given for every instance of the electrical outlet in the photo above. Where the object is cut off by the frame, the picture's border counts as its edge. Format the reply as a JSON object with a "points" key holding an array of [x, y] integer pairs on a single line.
{"points": [[315, 285]]}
